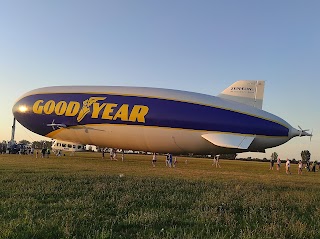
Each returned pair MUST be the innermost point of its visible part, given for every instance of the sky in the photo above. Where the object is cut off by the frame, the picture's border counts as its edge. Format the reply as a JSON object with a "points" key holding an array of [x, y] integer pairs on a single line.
{"points": [[200, 46]]}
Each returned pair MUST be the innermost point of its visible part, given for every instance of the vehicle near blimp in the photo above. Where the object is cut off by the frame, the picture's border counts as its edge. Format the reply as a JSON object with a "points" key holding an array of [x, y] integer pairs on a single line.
{"points": [[156, 120], [59, 145]]}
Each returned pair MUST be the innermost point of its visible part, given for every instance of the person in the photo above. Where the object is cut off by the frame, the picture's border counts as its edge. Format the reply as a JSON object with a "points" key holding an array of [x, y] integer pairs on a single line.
{"points": [[288, 167], [43, 152], [214, 160], [300, 165], [37, 154], [271, 164], [167, 159], [217, 161], [103, 153], [170, 160], [122, 155], [278, 163], [308, 165], [175, 161], [154, 159], [111, 154], [314, 166], [48, 153], [114, 154]]}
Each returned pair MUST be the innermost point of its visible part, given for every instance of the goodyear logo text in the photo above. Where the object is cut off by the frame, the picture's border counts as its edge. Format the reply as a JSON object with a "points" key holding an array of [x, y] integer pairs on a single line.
{"points": [[104, 110], [242, 89]]}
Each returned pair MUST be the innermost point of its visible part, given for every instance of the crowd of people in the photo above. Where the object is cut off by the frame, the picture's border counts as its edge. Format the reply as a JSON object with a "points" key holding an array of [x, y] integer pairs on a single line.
{"points": [[170, 161], [310, 166]]}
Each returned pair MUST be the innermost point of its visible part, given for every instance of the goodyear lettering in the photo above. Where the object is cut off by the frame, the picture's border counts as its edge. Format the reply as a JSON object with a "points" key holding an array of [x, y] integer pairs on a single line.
{"points": [[122, 113], [93, 105], [37, 108], [60, 108], [242, 89], [96, 109], [108, 110], [49, 107], [72, 108], [138, 113]]}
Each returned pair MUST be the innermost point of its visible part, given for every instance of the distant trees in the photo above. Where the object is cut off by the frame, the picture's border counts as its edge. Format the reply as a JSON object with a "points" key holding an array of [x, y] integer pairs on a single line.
{"points": [[305, 155], [42, 144], [35, 144], [24, 141], [228, 156], [274, 155]]}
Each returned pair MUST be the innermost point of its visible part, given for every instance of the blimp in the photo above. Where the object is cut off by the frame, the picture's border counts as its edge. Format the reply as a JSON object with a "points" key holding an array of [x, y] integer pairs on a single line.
{"points": [[155, 119]]}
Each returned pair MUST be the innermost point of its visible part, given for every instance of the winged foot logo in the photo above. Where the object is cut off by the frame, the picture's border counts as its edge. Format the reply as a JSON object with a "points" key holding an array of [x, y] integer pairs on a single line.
{"points": [[93, 105], [86, 106]]}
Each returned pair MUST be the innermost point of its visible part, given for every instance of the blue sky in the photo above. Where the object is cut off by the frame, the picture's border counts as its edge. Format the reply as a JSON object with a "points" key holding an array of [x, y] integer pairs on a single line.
{"points": [[200, 46]]}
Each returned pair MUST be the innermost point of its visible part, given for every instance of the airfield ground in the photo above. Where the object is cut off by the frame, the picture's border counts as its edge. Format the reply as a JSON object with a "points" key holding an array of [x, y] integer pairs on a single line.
{"points": [[84, 196]]}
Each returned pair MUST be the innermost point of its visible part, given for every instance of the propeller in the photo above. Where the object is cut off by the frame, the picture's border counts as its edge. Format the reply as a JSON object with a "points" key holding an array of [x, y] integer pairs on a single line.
{"points": [[59, 126], [303, 132]]}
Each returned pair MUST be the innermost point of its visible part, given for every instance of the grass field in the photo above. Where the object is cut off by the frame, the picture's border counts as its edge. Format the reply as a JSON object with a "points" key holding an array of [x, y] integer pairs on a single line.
{"points": [[84, 196]]}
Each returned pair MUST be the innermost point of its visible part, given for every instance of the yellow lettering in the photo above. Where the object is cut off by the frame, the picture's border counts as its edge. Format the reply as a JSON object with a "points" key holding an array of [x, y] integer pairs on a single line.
{"points": [[138, 113], [37, 108], [49, 107], [122, 113], [108, 110], [60, 108], [96, 109], [73, 108]]}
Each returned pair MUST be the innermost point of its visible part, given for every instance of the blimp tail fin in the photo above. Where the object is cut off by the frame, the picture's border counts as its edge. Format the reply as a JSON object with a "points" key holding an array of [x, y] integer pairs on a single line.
{"points": [[246, 92]]}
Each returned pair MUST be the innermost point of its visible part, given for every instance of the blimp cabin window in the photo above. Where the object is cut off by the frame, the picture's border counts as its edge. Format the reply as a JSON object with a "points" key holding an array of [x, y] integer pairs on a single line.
{"points": [[58, 144], [69, 146], [79, 146], [64, 145], [73, 146]]}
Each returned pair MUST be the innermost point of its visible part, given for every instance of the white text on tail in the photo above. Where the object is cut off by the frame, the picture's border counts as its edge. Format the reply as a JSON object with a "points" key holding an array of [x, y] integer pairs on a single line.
{"points": [[247, 92]]}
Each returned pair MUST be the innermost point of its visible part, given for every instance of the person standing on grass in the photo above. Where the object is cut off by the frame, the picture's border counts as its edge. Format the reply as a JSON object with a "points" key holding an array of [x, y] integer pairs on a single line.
{"points": [[278, 163], [314, 166], [271, 164], [111, 154], [217, 161], [214, 160], [167, 159], [170, 160], [122, 155], [300, 165], [175, 161], [154, 159], [115, 154], [43, 152], [48, 153], [308, 165], [288, 167]]}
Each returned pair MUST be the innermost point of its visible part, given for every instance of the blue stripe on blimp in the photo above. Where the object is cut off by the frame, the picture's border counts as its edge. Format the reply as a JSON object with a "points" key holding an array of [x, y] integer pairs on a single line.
{"points": [[82, 109]]}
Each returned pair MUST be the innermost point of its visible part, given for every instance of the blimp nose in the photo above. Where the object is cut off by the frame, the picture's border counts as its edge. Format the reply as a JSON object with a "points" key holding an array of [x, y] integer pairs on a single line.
{"points": [[23, 112]]}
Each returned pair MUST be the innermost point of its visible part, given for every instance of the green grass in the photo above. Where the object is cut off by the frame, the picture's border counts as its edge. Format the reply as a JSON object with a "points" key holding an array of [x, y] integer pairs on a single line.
{"points": [[84, 196]]}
